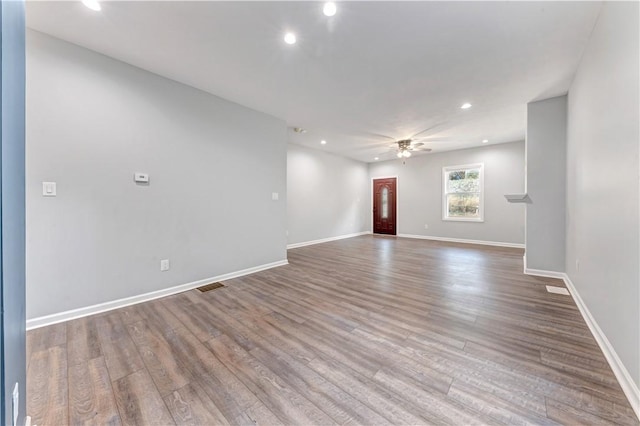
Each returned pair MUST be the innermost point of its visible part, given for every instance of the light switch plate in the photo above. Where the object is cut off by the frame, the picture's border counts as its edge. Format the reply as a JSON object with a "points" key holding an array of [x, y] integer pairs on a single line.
{"points": [[275, 196], [49, 189], [141, 177], [164, 265]]}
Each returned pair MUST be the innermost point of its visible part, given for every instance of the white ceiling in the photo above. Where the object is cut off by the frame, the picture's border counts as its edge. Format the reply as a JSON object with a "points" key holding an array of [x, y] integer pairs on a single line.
{"points": [[391, 68]]}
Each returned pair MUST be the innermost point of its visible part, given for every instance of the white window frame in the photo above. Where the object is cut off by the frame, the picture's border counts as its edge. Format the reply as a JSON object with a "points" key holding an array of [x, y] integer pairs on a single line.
{"points": [[445, 211]]}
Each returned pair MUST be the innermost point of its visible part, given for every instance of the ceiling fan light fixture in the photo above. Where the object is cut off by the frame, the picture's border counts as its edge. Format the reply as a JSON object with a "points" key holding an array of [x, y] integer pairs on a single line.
{"points": [[406, 154], [400, 154]]}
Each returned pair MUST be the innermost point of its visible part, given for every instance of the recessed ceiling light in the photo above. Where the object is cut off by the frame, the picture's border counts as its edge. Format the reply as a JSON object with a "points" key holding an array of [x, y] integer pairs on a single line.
{"points": [[323, 142], [376, 158], [290, 38], [299, 130], [92, 4], [466, 105], [485, 140], [329, 8]]}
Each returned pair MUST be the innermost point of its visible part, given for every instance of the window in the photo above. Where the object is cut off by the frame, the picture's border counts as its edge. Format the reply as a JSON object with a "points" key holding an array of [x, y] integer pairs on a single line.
{"points": [[463, 193]]}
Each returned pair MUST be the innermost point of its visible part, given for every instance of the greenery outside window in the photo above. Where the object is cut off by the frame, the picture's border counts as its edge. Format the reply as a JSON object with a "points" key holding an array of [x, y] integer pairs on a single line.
{"points": [[463, 193]]}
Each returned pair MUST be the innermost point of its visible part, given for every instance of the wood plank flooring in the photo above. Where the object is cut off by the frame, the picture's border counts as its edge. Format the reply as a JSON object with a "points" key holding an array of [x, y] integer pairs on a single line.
{"points": [[369, 330]]}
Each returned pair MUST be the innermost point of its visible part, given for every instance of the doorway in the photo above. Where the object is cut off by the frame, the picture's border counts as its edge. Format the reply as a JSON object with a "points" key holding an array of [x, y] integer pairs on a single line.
{"points": [[384, 206]]}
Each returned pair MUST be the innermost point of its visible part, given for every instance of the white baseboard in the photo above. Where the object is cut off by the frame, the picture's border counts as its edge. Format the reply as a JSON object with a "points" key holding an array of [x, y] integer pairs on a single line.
{"points": [[458, 240], [543, 273], [326, 240], [120, 303], [629, 387]]}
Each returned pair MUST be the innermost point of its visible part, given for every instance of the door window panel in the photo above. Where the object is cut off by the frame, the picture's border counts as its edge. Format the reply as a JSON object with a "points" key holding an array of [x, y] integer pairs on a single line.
{"points": [[385, 203]]}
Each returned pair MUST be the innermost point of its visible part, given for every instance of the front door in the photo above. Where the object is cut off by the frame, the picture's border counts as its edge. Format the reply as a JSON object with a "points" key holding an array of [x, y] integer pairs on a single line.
{"points": [[384, 206]]}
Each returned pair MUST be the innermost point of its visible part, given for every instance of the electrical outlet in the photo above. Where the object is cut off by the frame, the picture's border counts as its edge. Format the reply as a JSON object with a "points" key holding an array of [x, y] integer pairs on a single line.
{"points": [[16, 403], [426, 226], [164, 265]]}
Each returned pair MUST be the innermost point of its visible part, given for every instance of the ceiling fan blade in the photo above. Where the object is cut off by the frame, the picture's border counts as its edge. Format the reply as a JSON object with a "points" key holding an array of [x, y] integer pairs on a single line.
{"points": [[373, 145], [415, 145], [426, 130], [379, 135], [422, 131], [434, 141]]}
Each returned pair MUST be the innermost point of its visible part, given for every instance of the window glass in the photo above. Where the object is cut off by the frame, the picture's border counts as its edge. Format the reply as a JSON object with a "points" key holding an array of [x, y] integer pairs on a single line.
{"points": [[463, 192], [385, 203]]}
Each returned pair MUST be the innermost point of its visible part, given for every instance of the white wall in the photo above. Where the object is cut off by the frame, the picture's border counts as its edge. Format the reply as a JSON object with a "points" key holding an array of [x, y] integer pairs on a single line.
{"points": [[92, 123], [546, 147], [12, 213], [326, 195], [420, 193], [602, 180]]}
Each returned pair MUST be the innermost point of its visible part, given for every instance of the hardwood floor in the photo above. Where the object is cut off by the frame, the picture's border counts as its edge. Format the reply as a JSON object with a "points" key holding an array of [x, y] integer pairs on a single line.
{"points": [[368, 330]]}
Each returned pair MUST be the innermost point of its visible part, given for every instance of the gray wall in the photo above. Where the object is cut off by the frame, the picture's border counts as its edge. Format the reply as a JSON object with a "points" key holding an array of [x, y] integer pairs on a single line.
{"points": [[420, 193], [546, 147], [327, 195], [213, 165], [12, 206], [602, 180]]}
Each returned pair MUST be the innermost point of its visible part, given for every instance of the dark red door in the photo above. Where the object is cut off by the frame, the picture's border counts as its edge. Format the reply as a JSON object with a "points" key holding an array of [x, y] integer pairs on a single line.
{"points": [[384, 206]]}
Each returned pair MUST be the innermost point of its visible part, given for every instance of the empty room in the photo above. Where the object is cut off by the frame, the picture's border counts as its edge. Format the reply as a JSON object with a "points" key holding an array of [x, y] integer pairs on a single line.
{"points": [[318, 213]]}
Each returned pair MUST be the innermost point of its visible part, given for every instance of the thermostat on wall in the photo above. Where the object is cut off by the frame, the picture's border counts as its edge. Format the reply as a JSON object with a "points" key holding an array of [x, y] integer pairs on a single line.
{"points": [[141, 177]]}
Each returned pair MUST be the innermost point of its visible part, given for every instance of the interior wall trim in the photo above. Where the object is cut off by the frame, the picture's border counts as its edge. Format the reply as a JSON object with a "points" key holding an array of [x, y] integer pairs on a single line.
{"points": [[121, 303], [543, 273], [464, 241], [326, 240], [629, 387]]}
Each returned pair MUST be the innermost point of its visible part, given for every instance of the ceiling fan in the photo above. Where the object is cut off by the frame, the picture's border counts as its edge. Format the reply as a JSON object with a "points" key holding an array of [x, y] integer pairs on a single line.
{"points": [[405, 147]]}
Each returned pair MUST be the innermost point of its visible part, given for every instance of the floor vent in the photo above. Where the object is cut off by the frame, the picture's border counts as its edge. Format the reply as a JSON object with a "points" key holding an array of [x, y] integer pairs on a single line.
{"points": [[557, 290], [210, 287]]}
